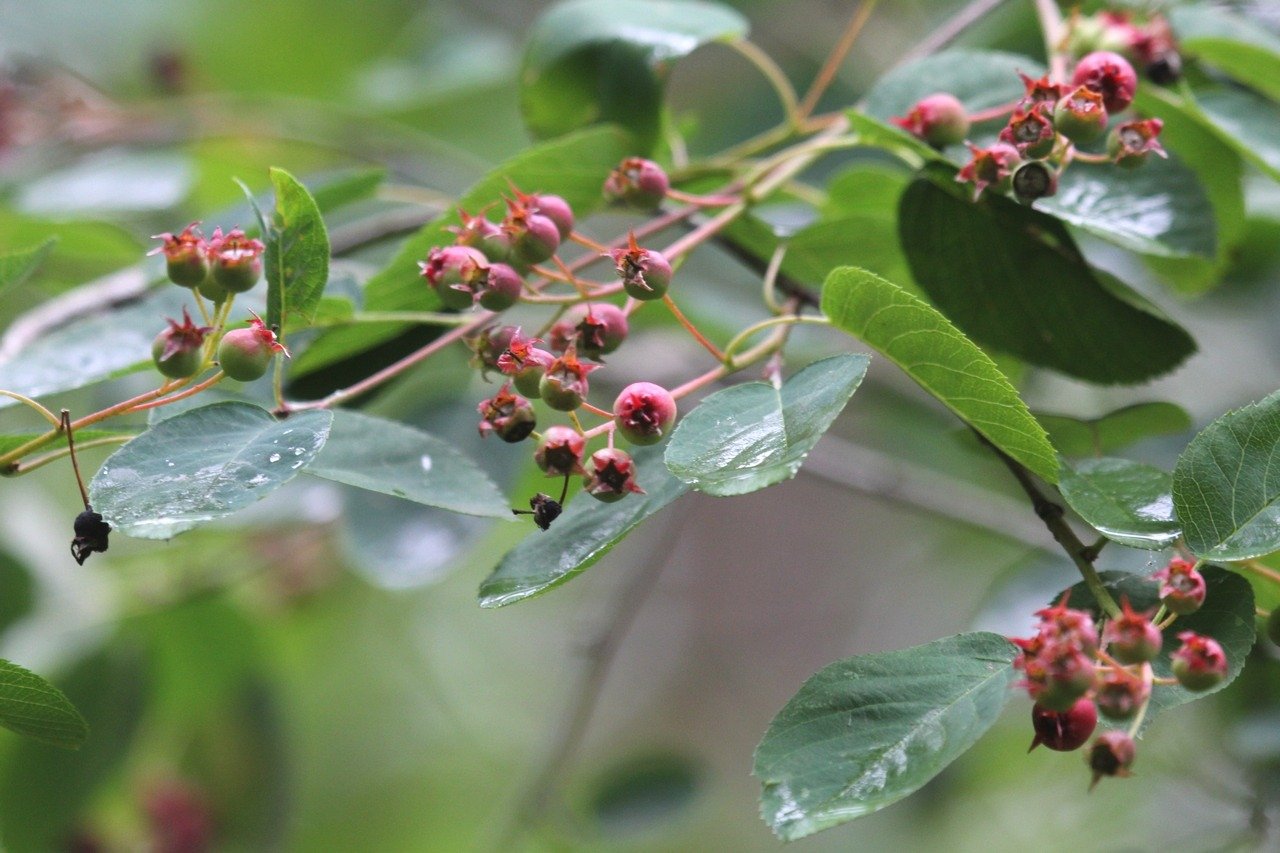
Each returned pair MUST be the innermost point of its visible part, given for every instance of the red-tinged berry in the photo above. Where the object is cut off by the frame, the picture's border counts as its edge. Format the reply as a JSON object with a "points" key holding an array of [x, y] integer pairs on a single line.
{"points": [[508, 416], [1058, 676], [535, 237], [1031, 132], [1199, 663], [1111, 754], [213, 290], [525, 364], [645, 273], [611, 476], [1064, 731], [594, 329], [1080, 116], [244, 354], [451, 270], [235, 260], [644, 413], [1121, 694], [178, 351], [1062, 624], [91, 534], [989, 167], [557, 210], [939, 119], [1034, 180], [637, 182], [498, 287], [1130, 144], [1131, 637], [479, 233], [180, 817], [488, 345], [1182, 587], [1104, 31], [1040, 91], [184, 255], [564, 384], [1110, 75], [560, 451]]}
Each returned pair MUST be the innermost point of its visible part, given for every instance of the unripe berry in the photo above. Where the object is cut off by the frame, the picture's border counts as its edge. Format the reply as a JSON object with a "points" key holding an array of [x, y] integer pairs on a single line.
{"points": [[244, 354], [593, 329], [989, 167], [559, 453], [644, 413], [1062, 624], [1121, 694], [235, 260], [479, 233], [1112, 754], [1130, 143], [1182, 587], [534, 236], [525, 364], [1034, 180], [178, 351], [488, 345], [611, 476], [1064, 731], [564, 384], [508, 416], [1131, 637], [213, 290], [645, 273], [499, 287], [450, 271], [1199, 663], [184, 256], [1081, 115], [1031, 132], [1110, 75], [1041, 91], [939, 119], [557, 210], [638, 182]]}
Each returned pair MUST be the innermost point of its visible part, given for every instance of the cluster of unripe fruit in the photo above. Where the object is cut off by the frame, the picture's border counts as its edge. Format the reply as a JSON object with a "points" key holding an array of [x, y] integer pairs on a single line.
{"points": [[1046, 124], [1073, 673], [216, 269]]}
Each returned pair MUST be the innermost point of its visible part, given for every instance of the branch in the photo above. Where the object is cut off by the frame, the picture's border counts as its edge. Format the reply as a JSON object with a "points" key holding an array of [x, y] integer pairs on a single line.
{"points": [[950, 30]]}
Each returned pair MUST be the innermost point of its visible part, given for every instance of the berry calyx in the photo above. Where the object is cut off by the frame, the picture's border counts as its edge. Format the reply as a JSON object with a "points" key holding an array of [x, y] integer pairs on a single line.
{"points": [[1031, 132], [1121, 694], [508, 416], [1200, 663], [184, 255], [1110, 75], [235, 260], [645, 273], [637, 182], [244, 354], [1130, 144], [1064, 731], [611, 476], [592, 329], [1182, 587], [525, 364], [479, 233], [451, 270], [488, 345], [178, 350], [1041, 91], [1131, 637], [1034, 180], [560, 451], [564, 384], [989, 167], [939, 119], [1111, 754], [644, 413], [1081, 115]]}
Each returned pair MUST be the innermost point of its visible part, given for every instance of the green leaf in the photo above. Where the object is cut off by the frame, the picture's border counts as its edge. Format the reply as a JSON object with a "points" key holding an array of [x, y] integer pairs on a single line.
{"points": [[1012, 279], [753, 435], [1125, 501], [397, 459], [1114, 430], [1242, 48], [1246, 121], [981, 79], [607, 61], [586, 531], [1227, 616], [1225, 492], [941, 359], [202, 465], [880, 134], [342, 188], [18, 266], [297, 256], [31, 706], [867, 731]]}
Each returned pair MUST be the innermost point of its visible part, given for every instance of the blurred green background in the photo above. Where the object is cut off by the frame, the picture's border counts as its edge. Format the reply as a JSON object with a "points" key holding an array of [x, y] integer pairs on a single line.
{"points": [[316, 675]]}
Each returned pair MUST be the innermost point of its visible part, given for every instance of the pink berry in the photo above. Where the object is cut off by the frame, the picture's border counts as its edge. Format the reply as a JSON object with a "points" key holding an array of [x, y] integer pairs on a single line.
{"points": [[1064, 731], [506, 415], [989, 167], [1131, 637], [939, 119], [184, 254], [644, 413], [611, 476], [594, 329], [1182, 587], [645, 273], [1200, 663], [559, 453], [498, 287], [451, 271], [638, 182], [1110, 75], [235, 260], [564, 384], [1112, 754]]}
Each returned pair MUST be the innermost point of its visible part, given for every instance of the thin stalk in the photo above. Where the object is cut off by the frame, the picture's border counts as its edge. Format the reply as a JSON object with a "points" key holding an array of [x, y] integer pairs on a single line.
{"points": [[1052, 28], [29, 465], [775, 75], [837, 56], [71, 451], [27, 401], [690, 328]]}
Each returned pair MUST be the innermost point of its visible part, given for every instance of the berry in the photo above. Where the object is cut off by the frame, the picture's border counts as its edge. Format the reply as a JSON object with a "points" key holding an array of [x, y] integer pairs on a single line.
{"points": [[1112, 754], [1110, 75], [594, 330], [178, 350], [1121, 694], [1182, 587], [1058, 675], [939, 119], [1199, 663], [91, 535], [1030, 132], [450, 270], [557, 210], [1131, 638], [1081, 116], [1064, 731], [645, 273], [644, 412], [559, 453], [488, 345], [611, 475], [535, 237], [544, 510], [235, 260], [1074, 627], [1130, 143], [244, 354], [184, 256], [212, 290], [525, 364], [1040, 91], [638, 182], [508, 416], [498, 287], [564, 384], [1033, 180], [479, 233], [989, 167]]}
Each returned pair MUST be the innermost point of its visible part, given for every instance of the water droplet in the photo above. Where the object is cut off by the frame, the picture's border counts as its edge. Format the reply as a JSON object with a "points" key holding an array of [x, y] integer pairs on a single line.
{"points": [[274, 457], [298, 451], [426, 463]]}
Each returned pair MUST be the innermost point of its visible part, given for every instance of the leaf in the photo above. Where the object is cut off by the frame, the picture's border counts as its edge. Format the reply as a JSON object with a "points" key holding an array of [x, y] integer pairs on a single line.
{"points": [[586, 531], [1012, 279], [869, 730], [1247, 122], [1125, 501], [18, 266], [1227, 616], [1239, 47], [297, 256], [397, 459], [753, 435], [1158, 209], [880, 134], [202, 465], [31, 706], [607, 61], [1114, 430], [943, 361], [1225, 491]]}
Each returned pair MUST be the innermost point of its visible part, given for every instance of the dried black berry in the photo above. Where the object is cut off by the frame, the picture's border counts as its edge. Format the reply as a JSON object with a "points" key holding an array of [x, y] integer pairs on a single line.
{"points": [[91, 535]]}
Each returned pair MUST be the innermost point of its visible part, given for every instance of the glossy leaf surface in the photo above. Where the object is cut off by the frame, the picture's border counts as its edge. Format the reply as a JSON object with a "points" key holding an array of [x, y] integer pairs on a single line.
{"points": [[297, 256], [1125, 501]]}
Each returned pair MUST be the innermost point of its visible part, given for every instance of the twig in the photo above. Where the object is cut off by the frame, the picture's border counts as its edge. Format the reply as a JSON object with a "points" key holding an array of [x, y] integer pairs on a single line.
{"points": [[838, 53], [71, 450], [950, 30]]}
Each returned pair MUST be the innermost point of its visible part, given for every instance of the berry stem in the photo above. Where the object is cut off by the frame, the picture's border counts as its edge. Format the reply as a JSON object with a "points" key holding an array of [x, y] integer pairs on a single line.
{"points": [[831, 65], [991, 113], [182, 395], [690, 328], [582, 239], [27, 401], [1260, 570], [1142, 712], [1054, 36], [29, 465], [423, 318], [787, 319], [703, 200], [71, 451], [777, 78], [596, 410]]}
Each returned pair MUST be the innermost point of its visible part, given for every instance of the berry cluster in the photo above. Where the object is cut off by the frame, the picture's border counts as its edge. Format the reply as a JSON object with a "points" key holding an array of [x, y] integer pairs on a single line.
{"points": [[1146, 41], [1073, 672], [1044, 128]]}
